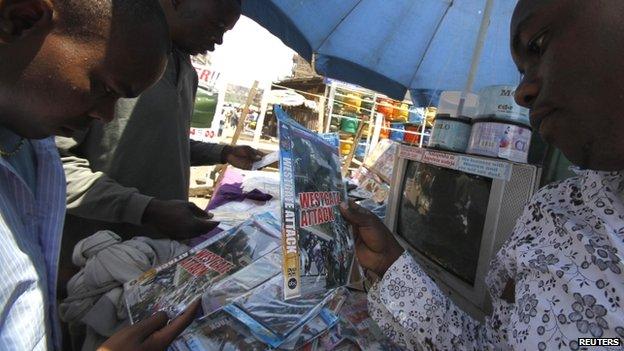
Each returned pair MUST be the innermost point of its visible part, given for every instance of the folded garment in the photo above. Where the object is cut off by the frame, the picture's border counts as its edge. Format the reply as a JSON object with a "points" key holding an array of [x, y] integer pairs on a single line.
{"points": [[95, 294], [234, 192]]}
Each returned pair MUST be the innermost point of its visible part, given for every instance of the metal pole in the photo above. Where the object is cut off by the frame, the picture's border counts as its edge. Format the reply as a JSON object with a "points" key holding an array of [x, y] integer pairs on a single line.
{"points": [[476, 55], [321, 112], [377, 131], [330, 101]]}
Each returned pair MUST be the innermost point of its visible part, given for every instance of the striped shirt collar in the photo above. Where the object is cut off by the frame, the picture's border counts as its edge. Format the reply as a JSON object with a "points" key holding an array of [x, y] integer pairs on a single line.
{"points": [[30, 238]]}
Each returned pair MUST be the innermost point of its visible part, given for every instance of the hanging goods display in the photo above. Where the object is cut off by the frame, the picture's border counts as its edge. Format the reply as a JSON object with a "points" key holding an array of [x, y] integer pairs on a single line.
{"points": [[401, 112], [352, 101], [385, 106], [349, 124], [398, 131], [411, 130]]}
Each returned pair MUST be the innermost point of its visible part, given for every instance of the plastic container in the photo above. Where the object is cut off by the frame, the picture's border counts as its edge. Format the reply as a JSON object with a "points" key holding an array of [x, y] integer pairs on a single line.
{"points": [[360, 152], [451, 128], [367, 104], [399, 133], [497, 139], [412, 138], [497, 102], [352, 102], [385, 107], [345, 146], [401, 112], [385, 130], [349, 124], [449, 104], [416, 115], [451, 134], [365, 131], [205, 107]]}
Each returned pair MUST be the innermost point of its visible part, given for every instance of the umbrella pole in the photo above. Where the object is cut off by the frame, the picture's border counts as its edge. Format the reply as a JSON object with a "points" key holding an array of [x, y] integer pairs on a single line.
{"points": [[476, 56]]}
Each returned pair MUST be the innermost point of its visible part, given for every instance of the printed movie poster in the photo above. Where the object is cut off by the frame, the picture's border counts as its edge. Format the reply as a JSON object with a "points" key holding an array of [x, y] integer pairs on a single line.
{"points": [[173, 286], [317, 245]]}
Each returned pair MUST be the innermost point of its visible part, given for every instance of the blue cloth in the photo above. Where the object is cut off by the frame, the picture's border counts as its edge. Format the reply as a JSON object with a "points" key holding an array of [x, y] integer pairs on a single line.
{"points": [[391, 46], [30, 237]]}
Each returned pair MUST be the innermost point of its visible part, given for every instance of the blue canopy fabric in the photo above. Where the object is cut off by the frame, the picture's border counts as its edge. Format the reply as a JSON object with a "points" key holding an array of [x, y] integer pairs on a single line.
{"points": [[394, 45]]}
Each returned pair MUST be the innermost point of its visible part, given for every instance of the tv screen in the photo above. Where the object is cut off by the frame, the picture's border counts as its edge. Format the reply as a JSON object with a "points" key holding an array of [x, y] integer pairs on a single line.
{"points": [[442, 214]]}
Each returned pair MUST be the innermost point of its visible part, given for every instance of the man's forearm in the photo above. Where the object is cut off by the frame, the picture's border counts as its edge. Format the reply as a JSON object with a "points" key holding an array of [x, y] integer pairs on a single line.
{"points": [[206, 154], [94, 195]]}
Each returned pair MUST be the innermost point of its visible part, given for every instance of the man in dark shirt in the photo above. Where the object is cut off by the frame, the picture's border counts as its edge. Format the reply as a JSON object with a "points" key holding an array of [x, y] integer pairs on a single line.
{"points": [[132, 176]]}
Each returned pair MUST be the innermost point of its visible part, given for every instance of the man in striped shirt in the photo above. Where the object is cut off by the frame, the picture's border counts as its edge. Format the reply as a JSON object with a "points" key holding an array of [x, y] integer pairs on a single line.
{"points": [[63, 64]]}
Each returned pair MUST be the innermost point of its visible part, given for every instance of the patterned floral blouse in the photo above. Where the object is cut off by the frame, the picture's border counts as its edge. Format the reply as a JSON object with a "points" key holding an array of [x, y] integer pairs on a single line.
{"points": [[565, 256]]}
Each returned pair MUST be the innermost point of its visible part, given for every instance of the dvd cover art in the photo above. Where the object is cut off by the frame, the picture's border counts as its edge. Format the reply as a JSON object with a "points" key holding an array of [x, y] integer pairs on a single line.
{"points": [[381, 159], [174, 285], [248, 278], [356, 327], [220, 332], [286, 324], [317, 244], [370, 186], [319, 325]]}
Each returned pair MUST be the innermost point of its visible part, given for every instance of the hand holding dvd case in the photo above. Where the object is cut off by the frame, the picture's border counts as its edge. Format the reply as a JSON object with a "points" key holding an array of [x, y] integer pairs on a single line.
{"points": [[231, 256], [317, 246]]}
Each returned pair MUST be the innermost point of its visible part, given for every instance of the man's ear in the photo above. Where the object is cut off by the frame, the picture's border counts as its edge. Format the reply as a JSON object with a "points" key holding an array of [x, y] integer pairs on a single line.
{"points": [[18, 18]]}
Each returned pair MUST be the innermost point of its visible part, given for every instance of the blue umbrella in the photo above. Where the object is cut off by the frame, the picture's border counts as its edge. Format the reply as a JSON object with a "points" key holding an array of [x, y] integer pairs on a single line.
{"points": [[394, 45]]}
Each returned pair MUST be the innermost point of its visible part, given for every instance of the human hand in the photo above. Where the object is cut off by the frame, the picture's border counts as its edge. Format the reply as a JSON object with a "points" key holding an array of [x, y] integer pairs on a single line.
{"points": [[241, 157], [177, 219], [375, 246], [154, 333]]}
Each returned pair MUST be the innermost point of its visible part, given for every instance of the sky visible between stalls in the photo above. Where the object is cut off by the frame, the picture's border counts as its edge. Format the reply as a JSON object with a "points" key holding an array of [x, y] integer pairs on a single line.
{"points": [[249, 52]]}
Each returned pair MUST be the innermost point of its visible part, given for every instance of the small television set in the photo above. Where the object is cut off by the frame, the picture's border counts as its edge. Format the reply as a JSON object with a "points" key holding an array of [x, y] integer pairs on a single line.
{"points": [[453, 212]]}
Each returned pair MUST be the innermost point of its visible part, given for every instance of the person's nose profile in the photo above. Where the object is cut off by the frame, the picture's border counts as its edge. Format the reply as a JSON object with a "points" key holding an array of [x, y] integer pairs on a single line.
{"points": [[527, 92]]}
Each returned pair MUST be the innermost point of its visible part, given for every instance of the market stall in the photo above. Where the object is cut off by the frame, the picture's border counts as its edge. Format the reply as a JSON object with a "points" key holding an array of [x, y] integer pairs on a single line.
{"points": [[277, 273], [237, 268]]}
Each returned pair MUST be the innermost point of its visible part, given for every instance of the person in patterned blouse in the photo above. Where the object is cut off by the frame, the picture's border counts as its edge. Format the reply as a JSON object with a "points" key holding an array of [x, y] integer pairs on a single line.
{"points": [[560, 275]]}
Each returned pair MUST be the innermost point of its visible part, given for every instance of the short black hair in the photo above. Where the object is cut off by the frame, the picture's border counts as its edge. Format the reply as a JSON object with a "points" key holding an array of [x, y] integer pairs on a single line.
{"points": [[86, 17]]}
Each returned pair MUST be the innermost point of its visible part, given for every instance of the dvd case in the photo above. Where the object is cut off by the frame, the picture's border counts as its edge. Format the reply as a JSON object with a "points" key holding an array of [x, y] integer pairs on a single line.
{"points": [[280, 323], [317, 245], [355, 327], [221, 331], [381, 159], [231, 256]]}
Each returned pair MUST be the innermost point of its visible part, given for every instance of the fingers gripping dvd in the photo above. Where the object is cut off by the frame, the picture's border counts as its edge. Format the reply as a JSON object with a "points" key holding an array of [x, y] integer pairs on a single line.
{"points": [[241, 256], [316, 242]]}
